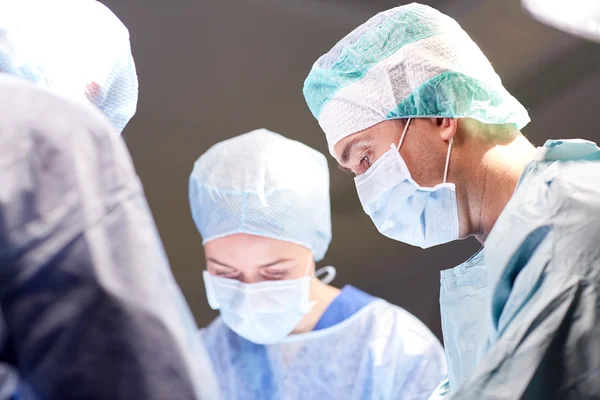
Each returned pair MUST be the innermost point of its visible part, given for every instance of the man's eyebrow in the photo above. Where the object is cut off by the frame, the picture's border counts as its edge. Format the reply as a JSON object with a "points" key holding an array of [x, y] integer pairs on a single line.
{"points": [[360, 143], [348, 149]]}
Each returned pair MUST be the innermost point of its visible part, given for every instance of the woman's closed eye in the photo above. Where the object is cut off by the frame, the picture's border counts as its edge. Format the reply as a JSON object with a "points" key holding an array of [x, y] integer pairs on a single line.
{"points": [[275, 273], [223, 272]]}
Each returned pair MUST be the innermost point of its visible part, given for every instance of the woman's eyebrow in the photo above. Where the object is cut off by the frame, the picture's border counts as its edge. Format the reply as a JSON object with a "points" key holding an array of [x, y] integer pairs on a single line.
{"points": [[213, 260], [279, 261]]}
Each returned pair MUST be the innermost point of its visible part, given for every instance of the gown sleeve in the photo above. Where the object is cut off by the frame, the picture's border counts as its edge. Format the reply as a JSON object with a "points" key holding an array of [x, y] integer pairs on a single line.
{"points": [[544, 259]]}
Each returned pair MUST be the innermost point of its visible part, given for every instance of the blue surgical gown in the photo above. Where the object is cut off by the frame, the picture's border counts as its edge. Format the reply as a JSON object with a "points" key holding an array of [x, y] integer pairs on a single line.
{"points": [[379, 351], [543, 259], [89, 307], [463, 305]]}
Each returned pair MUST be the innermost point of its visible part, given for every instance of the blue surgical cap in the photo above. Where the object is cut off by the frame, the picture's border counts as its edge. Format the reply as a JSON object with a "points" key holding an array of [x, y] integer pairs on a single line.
{"points": [[261, 183], [75, 48], [408, 62]]}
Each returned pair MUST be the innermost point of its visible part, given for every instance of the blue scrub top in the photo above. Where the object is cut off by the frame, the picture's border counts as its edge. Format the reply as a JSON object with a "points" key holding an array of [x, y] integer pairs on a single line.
{"points": [[347, 303]]}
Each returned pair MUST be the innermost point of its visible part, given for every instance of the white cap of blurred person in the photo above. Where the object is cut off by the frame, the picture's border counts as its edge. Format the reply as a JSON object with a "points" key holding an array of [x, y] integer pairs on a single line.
{"points": [[75, 48], [412, 107], [261, 204]]}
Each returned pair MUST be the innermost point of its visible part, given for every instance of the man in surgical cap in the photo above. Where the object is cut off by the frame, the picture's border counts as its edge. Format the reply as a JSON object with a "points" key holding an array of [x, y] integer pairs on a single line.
{"points": [[75, 48], [89, 307], [261, 204], [414, 109]]}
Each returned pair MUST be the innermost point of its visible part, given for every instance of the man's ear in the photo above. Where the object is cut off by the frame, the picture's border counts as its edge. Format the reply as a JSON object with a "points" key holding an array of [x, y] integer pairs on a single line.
{"points": [[447, 128]]}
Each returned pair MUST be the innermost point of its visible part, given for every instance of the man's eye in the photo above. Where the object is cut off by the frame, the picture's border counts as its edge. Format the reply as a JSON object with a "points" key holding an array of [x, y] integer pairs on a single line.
{"points": [[366, 160]]}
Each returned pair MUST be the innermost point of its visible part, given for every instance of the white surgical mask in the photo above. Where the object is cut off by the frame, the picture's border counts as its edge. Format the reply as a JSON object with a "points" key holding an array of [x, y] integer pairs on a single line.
{"points": [[263, 312], [402, 209]]}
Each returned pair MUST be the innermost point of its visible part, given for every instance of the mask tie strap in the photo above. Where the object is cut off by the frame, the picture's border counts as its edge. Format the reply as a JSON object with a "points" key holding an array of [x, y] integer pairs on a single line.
{"points": [[448, 159], [404, 133]]}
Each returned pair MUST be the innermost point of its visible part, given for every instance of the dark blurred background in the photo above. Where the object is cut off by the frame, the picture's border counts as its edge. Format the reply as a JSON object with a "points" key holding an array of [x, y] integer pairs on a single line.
{"points": [[210, 70]]}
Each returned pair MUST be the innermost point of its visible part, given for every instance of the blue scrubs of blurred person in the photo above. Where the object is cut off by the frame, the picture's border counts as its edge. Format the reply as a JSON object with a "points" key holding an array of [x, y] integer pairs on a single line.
{"points": [[414, 109], [89, 307], [261, 204], [75, 48]]}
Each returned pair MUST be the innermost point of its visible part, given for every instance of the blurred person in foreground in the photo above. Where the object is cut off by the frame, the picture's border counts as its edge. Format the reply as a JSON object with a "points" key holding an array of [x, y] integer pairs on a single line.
{"points": [[89, 308]]}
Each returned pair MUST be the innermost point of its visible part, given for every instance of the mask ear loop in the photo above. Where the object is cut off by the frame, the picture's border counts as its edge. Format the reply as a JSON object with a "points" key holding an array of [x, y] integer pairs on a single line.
{"points": [[448, 159], [308, 265], [330, 274], [307, 307], [210, 291], [404, 133]]}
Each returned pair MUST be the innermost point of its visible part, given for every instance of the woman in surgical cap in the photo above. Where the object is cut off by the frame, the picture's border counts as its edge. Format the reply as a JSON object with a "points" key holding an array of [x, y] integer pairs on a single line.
{"points": [[261, 204]]}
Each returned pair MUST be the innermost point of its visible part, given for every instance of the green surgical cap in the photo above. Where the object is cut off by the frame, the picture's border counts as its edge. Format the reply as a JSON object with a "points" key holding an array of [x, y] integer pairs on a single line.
{"points": [[408, 62]]}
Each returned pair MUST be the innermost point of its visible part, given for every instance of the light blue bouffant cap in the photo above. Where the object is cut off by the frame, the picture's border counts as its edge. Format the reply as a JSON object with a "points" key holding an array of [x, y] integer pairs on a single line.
{"points": [[261, 183]]}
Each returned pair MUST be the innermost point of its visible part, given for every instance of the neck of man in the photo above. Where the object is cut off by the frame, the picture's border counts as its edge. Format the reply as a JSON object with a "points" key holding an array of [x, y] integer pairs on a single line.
{"points": [[322, 295], [499, 170]]}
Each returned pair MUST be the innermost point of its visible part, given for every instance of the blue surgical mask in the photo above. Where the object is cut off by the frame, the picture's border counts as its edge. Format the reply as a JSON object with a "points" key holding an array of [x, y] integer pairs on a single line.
{"points": [[263, 312], [402, 209]]}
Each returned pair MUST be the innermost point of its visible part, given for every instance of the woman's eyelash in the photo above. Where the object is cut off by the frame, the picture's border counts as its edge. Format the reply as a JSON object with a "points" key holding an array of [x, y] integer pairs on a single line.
{"points": [[225, 272], [274, 274]]}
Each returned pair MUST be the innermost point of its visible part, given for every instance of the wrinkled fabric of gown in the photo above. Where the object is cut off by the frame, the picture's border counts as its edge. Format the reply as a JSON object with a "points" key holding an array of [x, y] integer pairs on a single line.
{"points": [[380, 352], [464, 302], [543, 258], [89, 307]]}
